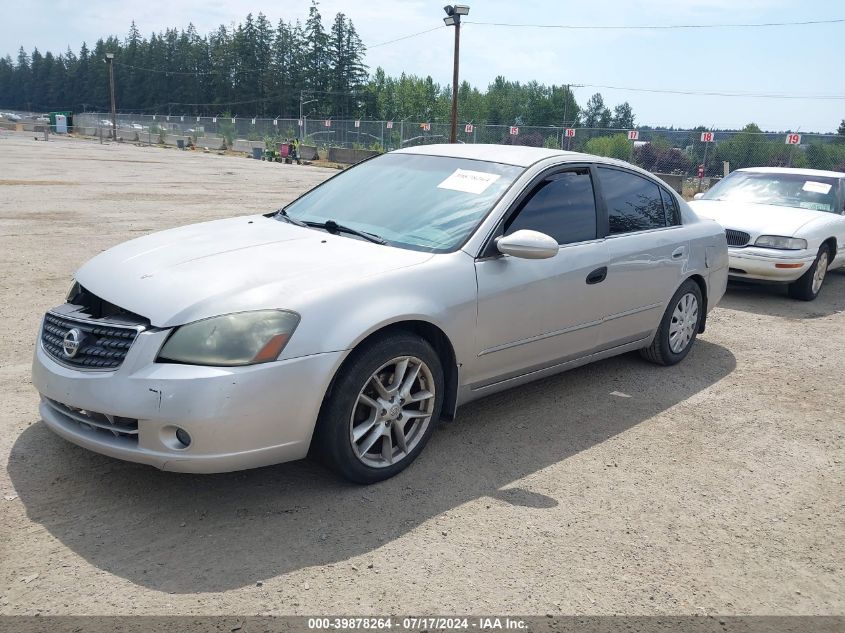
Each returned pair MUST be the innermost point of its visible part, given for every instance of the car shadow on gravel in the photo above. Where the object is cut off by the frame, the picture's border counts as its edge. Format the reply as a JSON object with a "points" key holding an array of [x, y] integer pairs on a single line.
{"points": [[773, 300], [192, 533]]}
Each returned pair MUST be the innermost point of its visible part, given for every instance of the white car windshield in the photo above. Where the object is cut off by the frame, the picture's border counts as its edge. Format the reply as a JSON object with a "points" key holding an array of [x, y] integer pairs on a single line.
{"points": [[426, 203], [782, 189]]}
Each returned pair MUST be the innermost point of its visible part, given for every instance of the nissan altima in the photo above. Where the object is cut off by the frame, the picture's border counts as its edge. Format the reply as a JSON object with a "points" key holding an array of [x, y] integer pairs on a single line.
{"points": [[350, 321]]}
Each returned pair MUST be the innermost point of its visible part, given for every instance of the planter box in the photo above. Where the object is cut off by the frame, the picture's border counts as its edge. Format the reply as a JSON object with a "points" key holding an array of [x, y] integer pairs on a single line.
{"points": [[676, 181], [350, 156]]}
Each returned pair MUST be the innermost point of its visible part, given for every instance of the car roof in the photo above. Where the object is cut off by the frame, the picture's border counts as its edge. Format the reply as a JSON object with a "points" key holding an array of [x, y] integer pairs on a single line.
{"points": [[518, 155], [794, 170]]}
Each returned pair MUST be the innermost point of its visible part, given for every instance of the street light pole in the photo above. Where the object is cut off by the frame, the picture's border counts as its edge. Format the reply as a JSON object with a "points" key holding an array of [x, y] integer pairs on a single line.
{"points": [[110, 62], [453, 18]]}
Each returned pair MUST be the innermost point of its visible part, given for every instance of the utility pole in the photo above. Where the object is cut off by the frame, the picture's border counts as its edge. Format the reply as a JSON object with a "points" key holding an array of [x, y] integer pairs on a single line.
{"points": [[453, 18], [110, 61]]}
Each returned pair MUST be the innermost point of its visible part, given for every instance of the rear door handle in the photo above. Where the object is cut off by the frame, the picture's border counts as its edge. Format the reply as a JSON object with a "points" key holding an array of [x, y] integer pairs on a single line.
{"points": [[597, 276], [679, 252]]}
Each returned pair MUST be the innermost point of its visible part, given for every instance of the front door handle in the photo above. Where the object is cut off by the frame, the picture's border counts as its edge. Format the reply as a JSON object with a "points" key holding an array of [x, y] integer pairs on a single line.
{"points": [[679, 252], [597, 276]]}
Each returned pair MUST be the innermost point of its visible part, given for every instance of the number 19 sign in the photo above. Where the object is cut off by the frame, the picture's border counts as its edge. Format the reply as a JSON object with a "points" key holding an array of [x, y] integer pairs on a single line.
{"points": [[793, 139]]}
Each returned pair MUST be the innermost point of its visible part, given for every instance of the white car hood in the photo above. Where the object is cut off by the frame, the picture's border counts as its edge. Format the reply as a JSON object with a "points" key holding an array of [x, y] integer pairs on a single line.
{"points": [[247, 263], [756, 219]]}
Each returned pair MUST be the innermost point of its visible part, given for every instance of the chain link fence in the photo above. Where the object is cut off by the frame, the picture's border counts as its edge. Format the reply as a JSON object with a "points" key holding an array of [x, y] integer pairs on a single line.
{"points": [[693, 158]]}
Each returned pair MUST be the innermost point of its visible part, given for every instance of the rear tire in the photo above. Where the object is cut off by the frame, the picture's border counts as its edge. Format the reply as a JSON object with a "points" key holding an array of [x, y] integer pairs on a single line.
{"points": [[678, 327], [809, 285], [382, 408]]}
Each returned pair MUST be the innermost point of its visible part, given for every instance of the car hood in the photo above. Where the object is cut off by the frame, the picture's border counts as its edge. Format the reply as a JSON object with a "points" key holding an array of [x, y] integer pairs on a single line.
{"points": [[756, 219], [248, 263]]}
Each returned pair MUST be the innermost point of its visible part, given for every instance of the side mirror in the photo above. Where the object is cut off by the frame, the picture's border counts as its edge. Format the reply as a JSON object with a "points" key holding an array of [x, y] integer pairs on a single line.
{"points": [[698, 196], [527, 244]]}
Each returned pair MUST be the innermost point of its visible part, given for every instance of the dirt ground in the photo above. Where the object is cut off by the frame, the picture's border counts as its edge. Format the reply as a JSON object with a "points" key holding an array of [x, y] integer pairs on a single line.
{"points": [[716, 486]]}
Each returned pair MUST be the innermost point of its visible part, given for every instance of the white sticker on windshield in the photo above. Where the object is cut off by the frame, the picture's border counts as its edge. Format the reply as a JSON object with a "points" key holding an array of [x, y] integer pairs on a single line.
{"points": [[469, 181], [816, 187]]}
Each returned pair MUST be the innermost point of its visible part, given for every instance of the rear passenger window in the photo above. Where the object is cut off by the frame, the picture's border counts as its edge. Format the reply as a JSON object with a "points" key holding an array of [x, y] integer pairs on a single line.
{"points": [[562, 206], [633, 202], [670, 205]]}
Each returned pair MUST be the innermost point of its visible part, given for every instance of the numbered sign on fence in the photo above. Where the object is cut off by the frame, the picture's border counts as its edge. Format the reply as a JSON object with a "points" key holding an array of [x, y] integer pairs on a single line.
{"points": [[514, 130], [182, 118], [357, 122], [707, 137], [167, 118], [793, 139], [468, 128], [214, 119], [633, 135], [328, 123], [390, 125], [570, 132], [276, 122], [233, 119], [198, 119], [425, 127], [701, 171], [253, 120], [154, 117], [300, 122]]}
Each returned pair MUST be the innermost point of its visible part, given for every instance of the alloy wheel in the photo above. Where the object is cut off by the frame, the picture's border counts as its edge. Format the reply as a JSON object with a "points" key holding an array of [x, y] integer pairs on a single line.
{"points": [[392, 412]]}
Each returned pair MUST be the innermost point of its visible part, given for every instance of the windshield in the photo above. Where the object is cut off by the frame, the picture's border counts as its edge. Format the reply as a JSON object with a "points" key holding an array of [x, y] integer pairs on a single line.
{"points": [[427, 203], [783, 189]]}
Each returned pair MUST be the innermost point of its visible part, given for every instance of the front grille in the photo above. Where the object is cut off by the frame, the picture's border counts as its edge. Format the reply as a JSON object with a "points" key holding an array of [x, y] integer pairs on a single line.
{"points": [[126, 428], [737, 238], [101, 346]]}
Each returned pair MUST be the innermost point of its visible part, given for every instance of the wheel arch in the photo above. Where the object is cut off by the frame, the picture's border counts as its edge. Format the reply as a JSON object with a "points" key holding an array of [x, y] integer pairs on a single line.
{"points": [[702, 285], [435, 337], [831, 243]]}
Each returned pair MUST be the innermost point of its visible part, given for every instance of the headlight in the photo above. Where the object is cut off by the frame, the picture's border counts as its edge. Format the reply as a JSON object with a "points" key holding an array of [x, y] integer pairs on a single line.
{"points": [[243, 338], [782, 243]]}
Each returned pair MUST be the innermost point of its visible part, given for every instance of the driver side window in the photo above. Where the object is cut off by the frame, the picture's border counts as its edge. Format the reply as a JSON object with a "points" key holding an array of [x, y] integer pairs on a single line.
{"points": [[562, 206]]}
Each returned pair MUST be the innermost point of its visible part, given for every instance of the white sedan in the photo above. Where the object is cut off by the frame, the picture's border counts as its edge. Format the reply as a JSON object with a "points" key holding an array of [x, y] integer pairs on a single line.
{"points": [[783, 225]]}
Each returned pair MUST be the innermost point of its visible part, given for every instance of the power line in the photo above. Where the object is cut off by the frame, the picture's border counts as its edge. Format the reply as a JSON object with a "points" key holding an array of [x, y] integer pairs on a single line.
{"points": [[406, 37], [190, 73], [628, 27], [719, 93]]}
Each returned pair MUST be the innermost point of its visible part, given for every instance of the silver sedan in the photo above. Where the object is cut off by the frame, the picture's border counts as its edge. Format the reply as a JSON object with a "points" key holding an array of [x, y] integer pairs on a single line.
{"points": [[349, 322]]}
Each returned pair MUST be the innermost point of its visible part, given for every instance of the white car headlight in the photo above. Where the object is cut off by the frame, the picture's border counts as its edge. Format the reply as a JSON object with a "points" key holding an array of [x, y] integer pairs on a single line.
{"points": [[243, 338], [782, 243]]}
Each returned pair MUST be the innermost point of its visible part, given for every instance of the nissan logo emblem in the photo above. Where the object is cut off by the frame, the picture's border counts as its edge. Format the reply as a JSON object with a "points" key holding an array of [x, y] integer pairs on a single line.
{"points": [[71, 342]]}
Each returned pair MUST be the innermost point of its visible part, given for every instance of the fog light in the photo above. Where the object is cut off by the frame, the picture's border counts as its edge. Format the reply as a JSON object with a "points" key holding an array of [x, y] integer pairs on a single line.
{"points": [[184, 437]]}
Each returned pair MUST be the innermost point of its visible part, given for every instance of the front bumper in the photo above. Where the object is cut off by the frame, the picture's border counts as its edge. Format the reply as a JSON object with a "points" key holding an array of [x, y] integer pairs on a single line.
{"points": [[766, 264], [237, 417]]}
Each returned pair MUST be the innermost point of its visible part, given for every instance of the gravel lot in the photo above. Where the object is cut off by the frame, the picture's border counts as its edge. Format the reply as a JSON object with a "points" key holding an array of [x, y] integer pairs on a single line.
{"points": [[716, 486]]}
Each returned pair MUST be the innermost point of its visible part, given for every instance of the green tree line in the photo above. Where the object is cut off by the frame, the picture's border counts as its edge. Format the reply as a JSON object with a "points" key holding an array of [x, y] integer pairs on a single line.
{"points": [[260, 69]]}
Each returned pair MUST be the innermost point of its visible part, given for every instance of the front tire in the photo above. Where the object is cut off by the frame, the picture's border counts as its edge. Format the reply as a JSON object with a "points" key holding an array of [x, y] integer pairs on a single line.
{"points": [[810, 283], [678, 327], [382, 408]]}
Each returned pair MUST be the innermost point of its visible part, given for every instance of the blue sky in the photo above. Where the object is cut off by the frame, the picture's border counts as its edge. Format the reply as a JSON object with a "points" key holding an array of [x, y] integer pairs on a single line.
{"points": [[796, 60]]}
